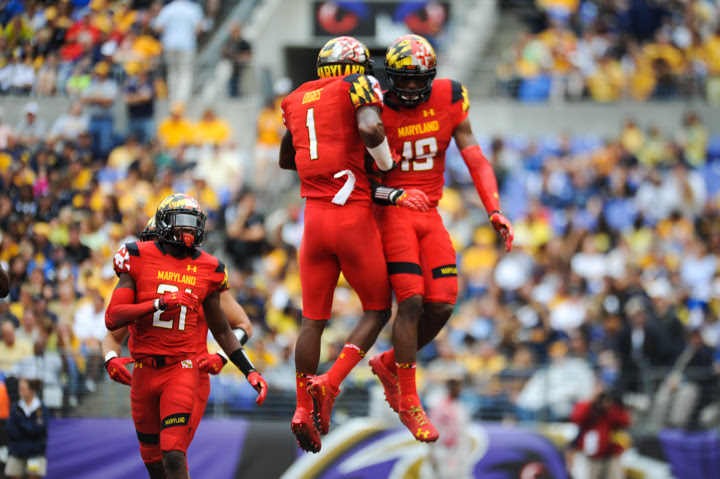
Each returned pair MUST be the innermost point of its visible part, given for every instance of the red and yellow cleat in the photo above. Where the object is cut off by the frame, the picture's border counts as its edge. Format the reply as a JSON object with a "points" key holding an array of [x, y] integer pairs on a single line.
{"points": [[389, 381], [323, 395], [414, 418], [306, 433]]}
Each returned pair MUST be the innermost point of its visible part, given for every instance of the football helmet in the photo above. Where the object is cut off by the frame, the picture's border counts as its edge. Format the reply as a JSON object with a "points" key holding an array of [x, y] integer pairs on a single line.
{"points": [[343, 56], [410, 57], [179, 220], [149, 232]]}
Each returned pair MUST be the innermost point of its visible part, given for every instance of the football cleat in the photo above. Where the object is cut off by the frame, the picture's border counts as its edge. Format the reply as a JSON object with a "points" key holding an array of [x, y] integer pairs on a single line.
{"points": [[414, 418], [389, 381], [323, 396], [306, 434]]}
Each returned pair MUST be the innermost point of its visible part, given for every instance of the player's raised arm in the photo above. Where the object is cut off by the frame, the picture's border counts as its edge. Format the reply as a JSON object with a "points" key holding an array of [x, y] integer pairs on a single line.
{"points": [[483, 177], [220, 328], [287, 152]]}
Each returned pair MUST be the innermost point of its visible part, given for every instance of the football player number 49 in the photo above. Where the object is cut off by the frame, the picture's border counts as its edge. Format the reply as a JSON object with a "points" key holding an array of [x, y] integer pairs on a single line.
{"points": [[168, 323]]}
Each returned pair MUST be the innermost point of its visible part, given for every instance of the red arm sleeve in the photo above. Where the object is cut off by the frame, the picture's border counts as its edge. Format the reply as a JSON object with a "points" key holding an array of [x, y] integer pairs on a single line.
{"points": [[483, 176], [122, 311]]}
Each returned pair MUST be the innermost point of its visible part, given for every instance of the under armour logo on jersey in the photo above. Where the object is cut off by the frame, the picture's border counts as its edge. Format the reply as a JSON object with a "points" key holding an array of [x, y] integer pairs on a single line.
{"points": [[192, 268], [430, 112]]}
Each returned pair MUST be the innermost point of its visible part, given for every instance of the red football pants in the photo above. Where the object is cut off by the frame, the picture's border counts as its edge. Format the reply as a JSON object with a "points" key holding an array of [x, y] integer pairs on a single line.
{"points": [[162, 401], [421, 258], [341, 238], [201, 399]]}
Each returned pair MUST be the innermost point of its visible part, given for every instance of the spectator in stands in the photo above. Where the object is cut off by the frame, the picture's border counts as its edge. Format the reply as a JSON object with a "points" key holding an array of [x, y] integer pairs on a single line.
{"points": [[12, 350], [28, 432], [211, 129], [690, 386], [175, 130], [45, 367], [245, 231], [47, 76], [139, 96], [89, 328], [238, 51], [99, 99], [23, 77], [179, 22], [31, 129], [548, 394], [78, 82], [5, 314], [75, 250], [5, 130], [602, 436], [68, 127]]}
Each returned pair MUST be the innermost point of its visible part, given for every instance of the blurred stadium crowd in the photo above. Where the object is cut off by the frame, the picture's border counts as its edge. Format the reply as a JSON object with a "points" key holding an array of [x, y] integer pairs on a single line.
{"points": [[612, 51], [612, 280]]}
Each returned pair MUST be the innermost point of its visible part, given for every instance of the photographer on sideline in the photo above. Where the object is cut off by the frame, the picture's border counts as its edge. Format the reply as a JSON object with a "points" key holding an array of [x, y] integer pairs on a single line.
{"points": [[601, 436]]}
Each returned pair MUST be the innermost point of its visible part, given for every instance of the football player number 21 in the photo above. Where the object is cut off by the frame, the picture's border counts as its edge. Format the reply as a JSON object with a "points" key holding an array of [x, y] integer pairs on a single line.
{"points": [[168, 323]]}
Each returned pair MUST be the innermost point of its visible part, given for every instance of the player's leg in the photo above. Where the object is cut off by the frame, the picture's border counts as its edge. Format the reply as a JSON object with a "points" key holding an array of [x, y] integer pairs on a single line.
{"points": [[145, 407], [177, 403], [363, 265], [201, 399], [319, 272], [438, 259]]}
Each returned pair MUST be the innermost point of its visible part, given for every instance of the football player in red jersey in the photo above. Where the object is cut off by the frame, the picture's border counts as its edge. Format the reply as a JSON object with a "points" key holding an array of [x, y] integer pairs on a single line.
{"points": [[160, 289], [207, 363], [331, 123], [421, 116]]}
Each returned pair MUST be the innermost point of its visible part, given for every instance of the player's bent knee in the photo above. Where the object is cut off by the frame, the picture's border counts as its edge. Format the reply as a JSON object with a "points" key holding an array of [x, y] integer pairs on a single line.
{"points": [[174, 461], [411, 306], [439, 312]]}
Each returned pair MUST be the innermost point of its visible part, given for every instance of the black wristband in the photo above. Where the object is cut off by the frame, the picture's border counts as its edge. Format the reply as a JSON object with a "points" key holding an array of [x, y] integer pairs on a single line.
{"points": [[240, 359], [386, 196], [241, 335]]}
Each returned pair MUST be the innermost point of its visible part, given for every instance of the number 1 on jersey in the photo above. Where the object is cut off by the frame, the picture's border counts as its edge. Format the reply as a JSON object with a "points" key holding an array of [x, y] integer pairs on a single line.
{"points": [[310, 124]]}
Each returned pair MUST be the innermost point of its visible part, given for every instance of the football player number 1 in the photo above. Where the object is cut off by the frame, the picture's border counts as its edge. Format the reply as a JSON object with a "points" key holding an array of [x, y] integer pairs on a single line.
{"points": [[168, 323], [310, 124]]}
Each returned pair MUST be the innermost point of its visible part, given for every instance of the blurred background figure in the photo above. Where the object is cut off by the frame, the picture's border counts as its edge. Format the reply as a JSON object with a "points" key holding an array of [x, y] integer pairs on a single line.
{"points": [[450, 455], [28, 431], [602, 434], [238, 51]]}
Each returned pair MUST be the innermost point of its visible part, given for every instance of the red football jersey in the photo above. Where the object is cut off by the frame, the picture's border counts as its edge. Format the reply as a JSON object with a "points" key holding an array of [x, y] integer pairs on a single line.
{"points": [[170, 333], [421, 135], [321, 118]]}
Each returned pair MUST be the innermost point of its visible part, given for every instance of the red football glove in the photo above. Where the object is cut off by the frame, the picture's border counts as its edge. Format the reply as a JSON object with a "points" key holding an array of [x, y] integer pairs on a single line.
{"points": [[210, 363], [175, 299], [257, 382], [118, 372], [503, 227], [414, 199]]}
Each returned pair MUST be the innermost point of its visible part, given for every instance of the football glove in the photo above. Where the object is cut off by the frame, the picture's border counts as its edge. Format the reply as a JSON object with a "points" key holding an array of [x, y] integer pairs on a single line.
{"points": [[259, 384], [117, 371], [210, 363], [503, 227], [175, 299], [416, 200]]}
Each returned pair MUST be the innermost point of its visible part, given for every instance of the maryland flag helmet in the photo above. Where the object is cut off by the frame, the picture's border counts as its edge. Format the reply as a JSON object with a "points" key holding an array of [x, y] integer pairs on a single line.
{"points": [[179, 220], [343, 56], [149, 232], [410, 57]]}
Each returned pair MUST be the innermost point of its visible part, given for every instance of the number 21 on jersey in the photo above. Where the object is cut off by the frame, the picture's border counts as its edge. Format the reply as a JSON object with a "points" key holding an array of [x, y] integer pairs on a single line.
{"points": [[168, 323], [422, 149]]}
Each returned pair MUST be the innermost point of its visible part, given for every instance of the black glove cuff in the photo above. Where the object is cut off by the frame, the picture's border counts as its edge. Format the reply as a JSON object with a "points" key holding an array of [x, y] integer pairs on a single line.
{"points": [[241, 335], [385, 196], [493, 212], [240, 359]]}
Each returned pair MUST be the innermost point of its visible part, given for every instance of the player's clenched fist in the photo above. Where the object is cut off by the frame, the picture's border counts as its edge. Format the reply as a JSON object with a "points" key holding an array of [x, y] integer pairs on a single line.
{"points": [[210, 363], [503, 227], [414, 199], [258, 382], [175, 299], [117, 371]]}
